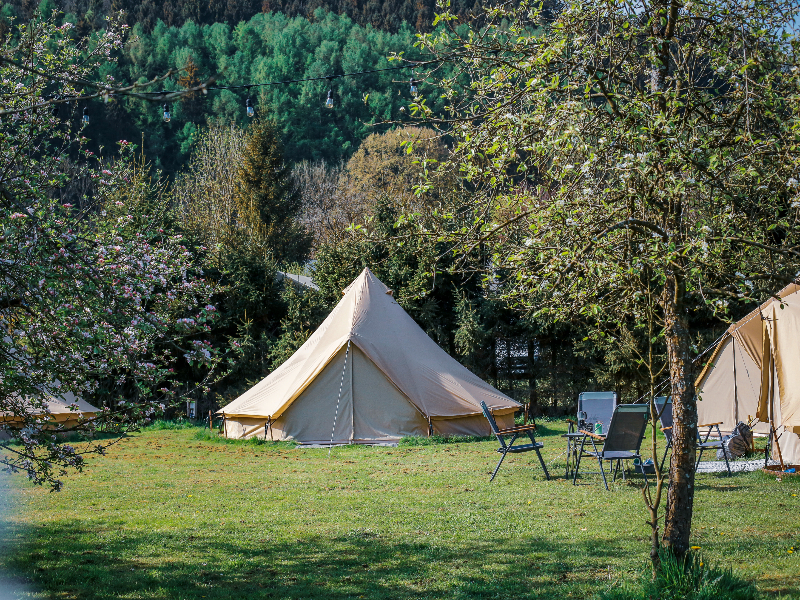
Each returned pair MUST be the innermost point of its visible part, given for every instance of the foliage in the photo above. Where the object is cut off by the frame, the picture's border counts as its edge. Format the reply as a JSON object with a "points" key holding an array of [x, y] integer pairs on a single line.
{"points": [[393, 164], [424, 519], [330, 205], [407, 263], [204, 193], [686, 579], [387, 15], [386, 164], [96, 300], [267, 201], [265, 48], [305, 311], [628, 157], [211, 207]]}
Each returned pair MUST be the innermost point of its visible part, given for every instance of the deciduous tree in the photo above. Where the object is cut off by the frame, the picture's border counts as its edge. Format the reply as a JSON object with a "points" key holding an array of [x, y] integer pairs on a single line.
{"points": [[629, 152]]}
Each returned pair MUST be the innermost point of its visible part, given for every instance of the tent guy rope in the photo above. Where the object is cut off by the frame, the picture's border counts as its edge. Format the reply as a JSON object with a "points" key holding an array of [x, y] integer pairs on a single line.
{"points": [[339, 398]]}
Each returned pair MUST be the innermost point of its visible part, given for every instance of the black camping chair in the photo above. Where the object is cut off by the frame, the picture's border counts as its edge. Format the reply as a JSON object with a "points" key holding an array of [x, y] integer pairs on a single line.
{"points": [[509, 447], [664, 407], [703, 444], [621, 442], [593, 408]]}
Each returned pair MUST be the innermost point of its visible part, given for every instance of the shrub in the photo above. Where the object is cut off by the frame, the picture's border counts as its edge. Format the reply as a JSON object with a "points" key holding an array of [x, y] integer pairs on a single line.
{"points": [[688, 579]]}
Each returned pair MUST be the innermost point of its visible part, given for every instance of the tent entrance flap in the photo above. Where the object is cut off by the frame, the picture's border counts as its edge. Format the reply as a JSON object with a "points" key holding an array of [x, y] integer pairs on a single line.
{"points": [[311, 415], [374, 399]]}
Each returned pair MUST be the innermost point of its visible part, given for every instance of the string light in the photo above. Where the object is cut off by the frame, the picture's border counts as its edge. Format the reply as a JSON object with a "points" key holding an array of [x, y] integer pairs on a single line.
{"points": [[329, 101], [250, 110], [247, 86]]}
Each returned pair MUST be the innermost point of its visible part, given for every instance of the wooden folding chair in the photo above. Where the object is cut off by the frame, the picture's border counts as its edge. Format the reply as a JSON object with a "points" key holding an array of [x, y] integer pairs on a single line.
{"points": [[509, 447]]}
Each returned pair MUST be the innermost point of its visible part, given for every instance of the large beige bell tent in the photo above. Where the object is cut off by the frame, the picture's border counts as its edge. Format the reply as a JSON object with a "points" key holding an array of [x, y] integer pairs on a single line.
{"points": [[755, 372], [369, 374]]}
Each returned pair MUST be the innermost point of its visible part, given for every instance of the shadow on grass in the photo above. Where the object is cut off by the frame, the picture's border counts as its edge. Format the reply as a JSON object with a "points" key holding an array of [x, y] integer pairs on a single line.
{"points": [[65, 561]]}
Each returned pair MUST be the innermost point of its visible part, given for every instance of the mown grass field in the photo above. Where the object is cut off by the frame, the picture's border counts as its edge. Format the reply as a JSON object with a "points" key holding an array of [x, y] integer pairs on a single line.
{"points": [[168, 515]]}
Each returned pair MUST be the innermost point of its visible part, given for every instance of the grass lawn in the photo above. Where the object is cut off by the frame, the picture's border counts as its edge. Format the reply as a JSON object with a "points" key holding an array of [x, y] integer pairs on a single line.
{"points": [[168, 515]]}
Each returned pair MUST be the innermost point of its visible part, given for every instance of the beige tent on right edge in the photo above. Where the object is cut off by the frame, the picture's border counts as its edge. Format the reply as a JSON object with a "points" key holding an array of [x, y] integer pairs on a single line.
{"points": [[755, 372]]}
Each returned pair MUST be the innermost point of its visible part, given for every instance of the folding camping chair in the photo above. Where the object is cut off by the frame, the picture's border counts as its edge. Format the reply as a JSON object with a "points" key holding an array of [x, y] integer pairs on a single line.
{"points": [[621, 442], [664, 407], [509, 447], [593, 407]]}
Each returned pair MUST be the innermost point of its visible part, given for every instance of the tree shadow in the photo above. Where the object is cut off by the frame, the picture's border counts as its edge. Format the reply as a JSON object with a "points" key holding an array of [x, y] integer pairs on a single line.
{"points": [[66, 561]]}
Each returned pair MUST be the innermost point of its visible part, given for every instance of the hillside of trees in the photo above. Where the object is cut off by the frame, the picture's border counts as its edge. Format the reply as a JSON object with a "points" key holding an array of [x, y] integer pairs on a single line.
{"points": [[265, 48], [389, 15]]}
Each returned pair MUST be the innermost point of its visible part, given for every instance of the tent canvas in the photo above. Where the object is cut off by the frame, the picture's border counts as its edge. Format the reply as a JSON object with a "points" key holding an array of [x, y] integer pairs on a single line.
{"points": [[730, 386], [374, 371], [66, 411]]}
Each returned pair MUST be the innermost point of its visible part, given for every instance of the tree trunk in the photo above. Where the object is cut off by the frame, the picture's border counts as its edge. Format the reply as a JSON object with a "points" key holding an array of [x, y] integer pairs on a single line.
{"points": [[680, 495]]}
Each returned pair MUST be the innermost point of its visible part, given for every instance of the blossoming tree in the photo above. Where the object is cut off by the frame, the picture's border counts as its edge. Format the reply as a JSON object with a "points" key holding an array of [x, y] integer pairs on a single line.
{"points": [[629, 158], [95, 287]]}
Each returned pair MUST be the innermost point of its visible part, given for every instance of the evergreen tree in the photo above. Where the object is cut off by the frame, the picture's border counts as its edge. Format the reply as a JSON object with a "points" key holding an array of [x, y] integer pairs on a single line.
{"points": [[267, 198]]}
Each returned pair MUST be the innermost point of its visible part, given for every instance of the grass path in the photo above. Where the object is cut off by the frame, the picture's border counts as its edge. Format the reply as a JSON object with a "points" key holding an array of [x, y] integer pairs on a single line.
{"points": [[165, 515]]}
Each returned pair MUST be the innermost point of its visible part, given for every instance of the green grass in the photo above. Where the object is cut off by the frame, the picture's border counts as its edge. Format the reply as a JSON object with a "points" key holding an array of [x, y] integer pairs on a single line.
{"points": [[176, 514]]}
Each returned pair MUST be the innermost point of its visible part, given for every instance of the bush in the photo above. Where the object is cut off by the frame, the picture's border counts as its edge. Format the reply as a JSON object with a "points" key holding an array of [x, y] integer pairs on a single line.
{"points": [[164, 425], [690, 579]]}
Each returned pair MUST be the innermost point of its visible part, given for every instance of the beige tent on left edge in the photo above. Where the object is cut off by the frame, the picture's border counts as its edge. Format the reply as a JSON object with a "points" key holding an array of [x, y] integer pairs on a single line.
{"points": [[739, 382], [372, 371], [65, 411]]}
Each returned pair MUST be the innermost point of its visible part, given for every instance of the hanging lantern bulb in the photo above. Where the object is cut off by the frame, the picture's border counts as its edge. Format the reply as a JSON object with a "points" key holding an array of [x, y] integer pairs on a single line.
{"points": [[85, 117], [251, 112], [167, 116], [329, 101], [414, 90]]}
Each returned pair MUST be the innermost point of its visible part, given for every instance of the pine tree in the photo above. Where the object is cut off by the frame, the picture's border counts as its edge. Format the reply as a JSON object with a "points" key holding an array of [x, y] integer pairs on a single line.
{"points": [[267, 198]]}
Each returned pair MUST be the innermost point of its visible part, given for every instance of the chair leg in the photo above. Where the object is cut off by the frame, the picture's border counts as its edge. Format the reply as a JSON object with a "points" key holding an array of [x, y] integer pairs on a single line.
{"points": [[497, 468], [699, 458], [663, 458], [725, 455], [544, 468], [578, 463], [602, 472]]}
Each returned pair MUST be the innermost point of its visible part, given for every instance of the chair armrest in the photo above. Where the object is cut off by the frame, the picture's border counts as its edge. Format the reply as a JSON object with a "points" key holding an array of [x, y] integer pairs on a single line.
{"points": [[572, 421], [666, 428], [594, 435], [518, 429], [710, 424]]}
